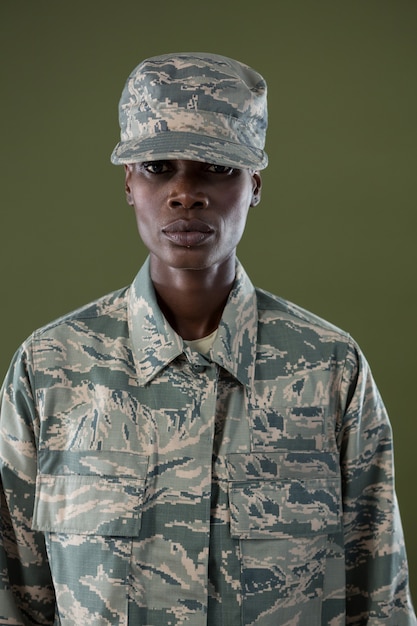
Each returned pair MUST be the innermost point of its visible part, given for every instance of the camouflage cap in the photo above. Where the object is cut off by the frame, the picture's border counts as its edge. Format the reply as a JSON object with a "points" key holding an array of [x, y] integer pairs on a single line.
{"points": [[193, 105]]}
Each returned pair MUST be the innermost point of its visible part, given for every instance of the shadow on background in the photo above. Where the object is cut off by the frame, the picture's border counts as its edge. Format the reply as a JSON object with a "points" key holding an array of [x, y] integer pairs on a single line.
{"points": [[335, 231]]}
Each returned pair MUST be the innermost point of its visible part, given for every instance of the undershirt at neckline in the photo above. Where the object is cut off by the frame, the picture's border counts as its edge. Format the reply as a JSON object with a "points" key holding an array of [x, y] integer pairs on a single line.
{"points": [[204, 344]]}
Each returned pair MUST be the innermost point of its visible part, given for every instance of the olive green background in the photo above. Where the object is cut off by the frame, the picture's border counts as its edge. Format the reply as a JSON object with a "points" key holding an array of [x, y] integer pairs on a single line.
{"points": [[335, 231]]}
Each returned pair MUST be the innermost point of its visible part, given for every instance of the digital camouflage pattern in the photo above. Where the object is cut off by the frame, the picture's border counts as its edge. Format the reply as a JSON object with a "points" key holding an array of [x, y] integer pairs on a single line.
{"points": [[147, 484], [198, 106]]}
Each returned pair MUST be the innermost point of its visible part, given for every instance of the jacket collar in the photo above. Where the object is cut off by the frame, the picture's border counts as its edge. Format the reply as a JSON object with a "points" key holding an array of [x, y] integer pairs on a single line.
{"points": [[156, 344]]}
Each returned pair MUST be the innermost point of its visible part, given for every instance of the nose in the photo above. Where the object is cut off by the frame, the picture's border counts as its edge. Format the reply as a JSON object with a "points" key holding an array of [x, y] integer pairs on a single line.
{"points": [[187, 192]]}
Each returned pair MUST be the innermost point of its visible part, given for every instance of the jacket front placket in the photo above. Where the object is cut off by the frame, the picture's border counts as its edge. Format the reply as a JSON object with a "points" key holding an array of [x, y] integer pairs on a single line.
{"points": [[177, 393]]}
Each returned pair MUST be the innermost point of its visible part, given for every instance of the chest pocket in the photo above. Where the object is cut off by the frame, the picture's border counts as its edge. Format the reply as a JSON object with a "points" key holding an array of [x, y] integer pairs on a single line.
{"points": [[90, 493], [281, 495]]}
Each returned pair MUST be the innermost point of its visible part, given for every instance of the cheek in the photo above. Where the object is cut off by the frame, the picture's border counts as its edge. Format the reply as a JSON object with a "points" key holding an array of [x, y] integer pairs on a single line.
{"points": [[240, 227], [234, 226], [241, 213], [144, 226], [144, 207]]}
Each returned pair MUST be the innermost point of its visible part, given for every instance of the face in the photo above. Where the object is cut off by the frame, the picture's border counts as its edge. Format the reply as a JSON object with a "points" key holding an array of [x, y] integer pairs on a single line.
{"points": [[190, 215]]}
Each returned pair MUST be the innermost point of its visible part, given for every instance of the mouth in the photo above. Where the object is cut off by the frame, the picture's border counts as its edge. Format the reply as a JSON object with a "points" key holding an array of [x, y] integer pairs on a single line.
{"points": [[188, 233]]}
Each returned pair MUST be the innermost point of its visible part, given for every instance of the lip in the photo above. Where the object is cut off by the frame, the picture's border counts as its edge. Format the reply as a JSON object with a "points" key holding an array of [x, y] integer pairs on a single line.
{"points": [[187, 233]]}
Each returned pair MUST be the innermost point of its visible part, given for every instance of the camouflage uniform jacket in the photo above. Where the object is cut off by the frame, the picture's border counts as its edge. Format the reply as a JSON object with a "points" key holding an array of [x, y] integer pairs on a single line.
{"points": [[144, 483]]}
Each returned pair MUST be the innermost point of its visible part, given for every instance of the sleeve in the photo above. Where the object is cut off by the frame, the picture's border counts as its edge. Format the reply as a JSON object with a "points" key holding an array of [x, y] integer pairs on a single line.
{"points": [[26, 590], [377, 588]]}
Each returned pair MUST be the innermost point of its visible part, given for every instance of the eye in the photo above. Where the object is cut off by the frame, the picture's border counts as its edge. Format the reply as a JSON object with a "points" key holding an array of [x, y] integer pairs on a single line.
{"points": [[220, 169], [155, 167]]}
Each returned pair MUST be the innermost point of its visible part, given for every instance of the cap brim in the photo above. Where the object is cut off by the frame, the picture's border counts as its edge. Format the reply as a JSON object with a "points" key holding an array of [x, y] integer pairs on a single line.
{"points": [[189, 146]]}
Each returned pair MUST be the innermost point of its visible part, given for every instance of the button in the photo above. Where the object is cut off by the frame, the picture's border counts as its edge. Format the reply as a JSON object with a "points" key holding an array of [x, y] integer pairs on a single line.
{"points": [[198, 369]]}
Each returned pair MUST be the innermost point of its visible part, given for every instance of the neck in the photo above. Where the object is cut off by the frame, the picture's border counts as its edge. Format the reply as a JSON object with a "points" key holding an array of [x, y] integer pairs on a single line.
{"points": [[193, 300]]}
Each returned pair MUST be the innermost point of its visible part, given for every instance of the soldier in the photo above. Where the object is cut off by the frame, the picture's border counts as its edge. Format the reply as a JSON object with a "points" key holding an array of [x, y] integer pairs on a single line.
{"points": [[191, 450]]}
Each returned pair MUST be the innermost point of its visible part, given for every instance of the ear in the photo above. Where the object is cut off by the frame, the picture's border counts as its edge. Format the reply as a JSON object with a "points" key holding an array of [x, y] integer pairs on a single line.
{"points": [[128, 176], [256, 188]]}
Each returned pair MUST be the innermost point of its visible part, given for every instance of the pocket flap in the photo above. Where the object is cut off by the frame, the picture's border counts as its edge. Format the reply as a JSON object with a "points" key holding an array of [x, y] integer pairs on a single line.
{"points": [[285, 508], [282, 495], [243, 466], [90, 493]]}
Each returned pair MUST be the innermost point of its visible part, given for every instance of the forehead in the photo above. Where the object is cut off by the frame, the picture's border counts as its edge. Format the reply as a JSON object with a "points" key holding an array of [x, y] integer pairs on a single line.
{"points": [[188, 163], [183, 163]]}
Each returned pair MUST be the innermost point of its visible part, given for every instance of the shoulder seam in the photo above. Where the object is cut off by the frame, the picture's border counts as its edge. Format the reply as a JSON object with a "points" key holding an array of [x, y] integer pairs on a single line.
{"points": [[87, 311]]}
